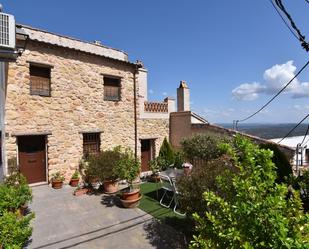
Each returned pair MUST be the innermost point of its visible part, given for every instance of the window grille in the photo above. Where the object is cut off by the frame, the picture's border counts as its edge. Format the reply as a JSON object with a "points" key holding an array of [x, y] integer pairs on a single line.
{"points": [[91, 144], [112, 89]]}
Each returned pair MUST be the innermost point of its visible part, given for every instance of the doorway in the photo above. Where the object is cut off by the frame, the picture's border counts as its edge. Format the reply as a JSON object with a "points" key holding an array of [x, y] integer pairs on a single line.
{"points": [[147, 153], [32, 157]]}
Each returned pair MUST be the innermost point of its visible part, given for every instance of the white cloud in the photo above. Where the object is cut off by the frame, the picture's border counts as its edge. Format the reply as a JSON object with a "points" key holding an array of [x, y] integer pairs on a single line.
{"points": [[151, 91], [164, 93], [301, 107], [301, 91], [248, 91], [275, 78]]}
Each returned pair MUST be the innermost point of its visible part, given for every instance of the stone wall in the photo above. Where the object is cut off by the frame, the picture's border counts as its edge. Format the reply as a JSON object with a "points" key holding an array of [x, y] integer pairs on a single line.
{"points": [[76, 104], [156, 129]]}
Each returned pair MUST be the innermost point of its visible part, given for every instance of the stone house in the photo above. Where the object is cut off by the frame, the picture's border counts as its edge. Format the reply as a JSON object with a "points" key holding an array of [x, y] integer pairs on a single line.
{"points": [[68, 98]]}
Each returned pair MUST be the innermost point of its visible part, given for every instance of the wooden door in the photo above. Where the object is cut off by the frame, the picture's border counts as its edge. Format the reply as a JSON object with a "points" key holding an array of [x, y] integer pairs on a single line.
{"points": [[146, 154], [32, 158]]}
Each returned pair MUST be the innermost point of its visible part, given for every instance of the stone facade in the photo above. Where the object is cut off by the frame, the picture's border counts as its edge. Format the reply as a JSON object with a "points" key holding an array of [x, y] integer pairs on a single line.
{"points": [[76, 105], [156, 129]]}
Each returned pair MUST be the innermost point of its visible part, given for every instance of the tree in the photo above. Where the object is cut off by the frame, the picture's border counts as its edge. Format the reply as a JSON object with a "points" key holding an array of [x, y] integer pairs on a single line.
{"points": [[283, 166], [201, 147], [255, 212], [208, 163], [166, 154]]}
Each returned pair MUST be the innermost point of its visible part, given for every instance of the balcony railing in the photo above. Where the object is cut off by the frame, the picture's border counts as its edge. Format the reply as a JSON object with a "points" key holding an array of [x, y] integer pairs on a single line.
{"points": [[160, 107]]}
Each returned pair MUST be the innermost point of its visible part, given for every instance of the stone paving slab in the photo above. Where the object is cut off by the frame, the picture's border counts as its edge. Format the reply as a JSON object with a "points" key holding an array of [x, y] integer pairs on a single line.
{"points": [[93, 221]]}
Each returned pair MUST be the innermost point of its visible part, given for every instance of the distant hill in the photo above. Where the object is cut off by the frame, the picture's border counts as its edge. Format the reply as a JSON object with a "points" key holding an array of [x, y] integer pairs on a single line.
{"points": [[269, 131]]}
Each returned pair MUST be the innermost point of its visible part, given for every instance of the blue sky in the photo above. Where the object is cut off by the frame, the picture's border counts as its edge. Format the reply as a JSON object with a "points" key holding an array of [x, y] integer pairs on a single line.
{"points": [[233, 54]]}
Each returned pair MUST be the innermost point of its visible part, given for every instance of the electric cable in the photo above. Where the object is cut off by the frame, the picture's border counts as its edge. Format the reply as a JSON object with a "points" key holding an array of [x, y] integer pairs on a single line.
{"points": [[307, 141], [305, 136], [298, 73], [293, 128], [301, 37], [285, 22]]}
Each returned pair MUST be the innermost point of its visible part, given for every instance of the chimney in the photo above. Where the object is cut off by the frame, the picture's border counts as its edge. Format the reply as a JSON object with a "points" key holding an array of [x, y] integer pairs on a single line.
{"points": [[183, 97]]}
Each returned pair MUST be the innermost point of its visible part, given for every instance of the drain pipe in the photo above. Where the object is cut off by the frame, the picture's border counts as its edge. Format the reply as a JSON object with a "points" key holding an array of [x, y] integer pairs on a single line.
{"points": [[138, 65]]}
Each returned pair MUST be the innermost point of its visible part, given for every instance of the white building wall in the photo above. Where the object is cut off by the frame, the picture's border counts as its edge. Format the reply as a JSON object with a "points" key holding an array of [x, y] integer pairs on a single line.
{"points": [[292, 142]]}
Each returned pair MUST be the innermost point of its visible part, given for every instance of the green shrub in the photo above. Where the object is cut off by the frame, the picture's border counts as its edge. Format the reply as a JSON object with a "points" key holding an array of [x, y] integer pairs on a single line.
{"points": [[201, 147], [14, 193], [15, 230], [204, 150], [179, 159], [155, 166], [201, 178], [303, 183], [9, 199], [103, 165], [255, 212], [166, 155], [283, 166], [128, 167]]}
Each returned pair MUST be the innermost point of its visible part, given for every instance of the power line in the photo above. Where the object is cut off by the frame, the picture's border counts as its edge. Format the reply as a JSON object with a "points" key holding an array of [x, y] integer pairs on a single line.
{"points": [[299, 72], [307, 141], [305, 135], [301, 37], [293, 128], [285, 22]]}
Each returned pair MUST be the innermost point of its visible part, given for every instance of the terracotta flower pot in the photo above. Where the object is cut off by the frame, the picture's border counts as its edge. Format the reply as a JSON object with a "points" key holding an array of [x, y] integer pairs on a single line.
{"points": [[133, 195], [74, 182], [155, 178], [133, 200], [81, 191], [186, 171], [110, 186], [57, 184]]}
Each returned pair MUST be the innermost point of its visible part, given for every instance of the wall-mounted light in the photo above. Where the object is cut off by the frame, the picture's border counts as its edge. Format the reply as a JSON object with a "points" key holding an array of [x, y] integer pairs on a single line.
{"points": [[21, 40]]}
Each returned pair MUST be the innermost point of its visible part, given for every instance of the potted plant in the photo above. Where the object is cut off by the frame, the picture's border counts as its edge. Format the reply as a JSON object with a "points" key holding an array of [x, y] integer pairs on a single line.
{"points": [[57, 180], [20, 190], [103, 166], [128, 169], [74, 179], [155, 167], [81, 191]]}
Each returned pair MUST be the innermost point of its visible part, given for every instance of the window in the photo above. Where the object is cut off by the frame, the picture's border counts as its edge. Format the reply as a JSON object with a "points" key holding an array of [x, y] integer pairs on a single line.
{"points": [[39, 80], [112, 89], [91, 144]]}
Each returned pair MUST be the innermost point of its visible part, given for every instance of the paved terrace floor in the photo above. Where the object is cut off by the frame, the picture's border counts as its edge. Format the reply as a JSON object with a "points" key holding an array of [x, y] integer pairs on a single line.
{"points": [[94, 221]]}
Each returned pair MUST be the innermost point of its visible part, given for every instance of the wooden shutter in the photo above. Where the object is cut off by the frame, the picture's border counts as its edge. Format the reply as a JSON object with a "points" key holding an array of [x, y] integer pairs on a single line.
{"points": [[39, 80], [112, 89]]}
